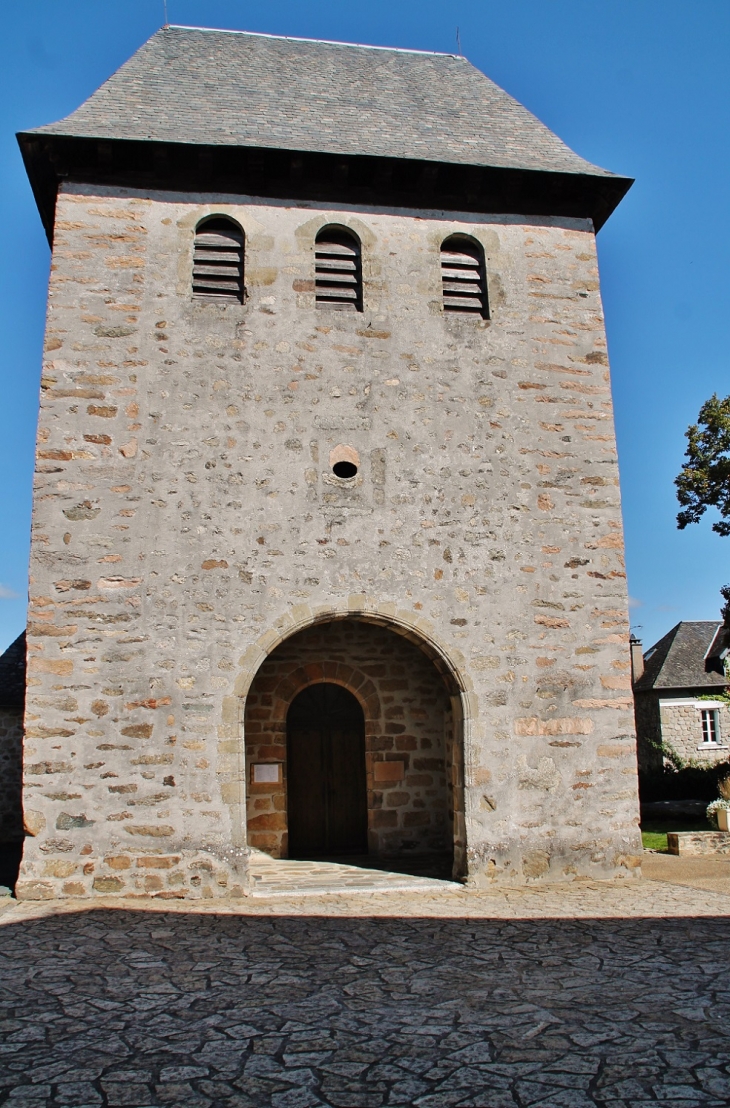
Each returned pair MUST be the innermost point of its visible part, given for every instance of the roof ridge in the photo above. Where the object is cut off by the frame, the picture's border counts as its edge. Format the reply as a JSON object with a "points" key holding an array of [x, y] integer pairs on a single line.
{"points": [[319, 41]]}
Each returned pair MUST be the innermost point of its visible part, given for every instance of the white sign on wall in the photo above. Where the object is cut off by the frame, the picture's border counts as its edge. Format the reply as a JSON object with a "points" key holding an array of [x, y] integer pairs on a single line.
{"points": [[266, 773]]}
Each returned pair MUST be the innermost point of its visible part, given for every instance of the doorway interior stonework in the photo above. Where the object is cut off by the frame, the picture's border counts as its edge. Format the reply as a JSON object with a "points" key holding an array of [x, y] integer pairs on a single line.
{"points": [[414, 760]]}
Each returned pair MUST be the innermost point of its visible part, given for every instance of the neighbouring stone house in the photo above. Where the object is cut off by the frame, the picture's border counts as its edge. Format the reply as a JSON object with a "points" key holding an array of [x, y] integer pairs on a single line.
{"points": [[680, 696], [12, 699], [327, 554]]}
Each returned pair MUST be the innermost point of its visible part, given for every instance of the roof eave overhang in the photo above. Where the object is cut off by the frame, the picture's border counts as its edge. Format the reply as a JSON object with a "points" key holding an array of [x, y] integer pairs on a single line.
{"points": [[312, 176], [688, 690]]}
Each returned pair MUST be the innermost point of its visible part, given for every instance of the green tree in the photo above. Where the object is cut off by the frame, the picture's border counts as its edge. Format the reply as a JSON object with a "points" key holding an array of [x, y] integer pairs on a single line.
{"points": [[725, 611], [705, 478]]}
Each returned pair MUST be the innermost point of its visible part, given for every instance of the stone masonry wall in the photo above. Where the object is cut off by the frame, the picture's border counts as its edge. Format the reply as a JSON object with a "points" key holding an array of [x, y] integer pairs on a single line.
{"points": [[11, 775], [407, 716], [681, 726], [186, 520]]}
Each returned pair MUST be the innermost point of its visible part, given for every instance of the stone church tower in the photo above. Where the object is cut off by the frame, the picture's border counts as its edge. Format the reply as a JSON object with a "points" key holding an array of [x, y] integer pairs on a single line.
{"points": [[327, 548]]}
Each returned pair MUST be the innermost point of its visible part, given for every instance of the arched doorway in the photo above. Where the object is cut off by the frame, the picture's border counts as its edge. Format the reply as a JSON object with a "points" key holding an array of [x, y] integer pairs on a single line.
{"points": [[413, 737], [326, 785]]}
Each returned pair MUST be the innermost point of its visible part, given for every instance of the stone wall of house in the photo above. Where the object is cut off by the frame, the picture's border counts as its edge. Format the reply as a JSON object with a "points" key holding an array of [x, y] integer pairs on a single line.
{"points": [[681, 726], [11, 774], [408, 726], [186, 521]]}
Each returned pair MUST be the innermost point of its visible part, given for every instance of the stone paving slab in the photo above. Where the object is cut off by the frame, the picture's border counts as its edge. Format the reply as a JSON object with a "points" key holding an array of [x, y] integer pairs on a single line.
{"points": [[604, 994], [286, 877]]}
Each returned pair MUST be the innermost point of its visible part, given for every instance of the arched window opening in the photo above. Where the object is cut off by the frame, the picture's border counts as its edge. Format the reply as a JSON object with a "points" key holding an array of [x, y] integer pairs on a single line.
{"points": [[464, 276], [218, 260], [337, 270]]}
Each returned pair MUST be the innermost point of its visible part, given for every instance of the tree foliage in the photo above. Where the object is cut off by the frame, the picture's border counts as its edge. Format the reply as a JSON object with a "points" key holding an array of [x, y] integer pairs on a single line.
{"points": [[725, 610], [705, 478]]}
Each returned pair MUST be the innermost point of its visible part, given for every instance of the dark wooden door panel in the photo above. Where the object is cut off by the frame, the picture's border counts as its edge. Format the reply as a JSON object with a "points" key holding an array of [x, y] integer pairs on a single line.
{"points": [[306, 777], [347, 793], [326, 787]]}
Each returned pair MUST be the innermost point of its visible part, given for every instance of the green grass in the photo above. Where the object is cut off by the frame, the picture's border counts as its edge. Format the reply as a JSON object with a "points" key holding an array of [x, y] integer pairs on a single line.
{"points": [[654, 833]]}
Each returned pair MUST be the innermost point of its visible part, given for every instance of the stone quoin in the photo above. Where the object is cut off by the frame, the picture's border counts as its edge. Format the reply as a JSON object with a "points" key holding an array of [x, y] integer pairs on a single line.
{"points": [[325, 403]]}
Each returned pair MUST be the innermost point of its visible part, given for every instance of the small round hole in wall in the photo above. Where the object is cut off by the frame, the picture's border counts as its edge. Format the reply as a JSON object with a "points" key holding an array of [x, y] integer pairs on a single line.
{"points": [[345, 461], [344, 469]]}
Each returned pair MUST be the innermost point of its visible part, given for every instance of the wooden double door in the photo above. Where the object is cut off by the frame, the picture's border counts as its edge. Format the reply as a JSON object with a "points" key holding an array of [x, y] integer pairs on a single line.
{"points": [[326, 784]]}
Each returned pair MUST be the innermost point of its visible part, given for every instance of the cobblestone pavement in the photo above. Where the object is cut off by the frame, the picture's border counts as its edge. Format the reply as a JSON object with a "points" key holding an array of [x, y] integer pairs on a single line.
{"points": [[577, 996]]}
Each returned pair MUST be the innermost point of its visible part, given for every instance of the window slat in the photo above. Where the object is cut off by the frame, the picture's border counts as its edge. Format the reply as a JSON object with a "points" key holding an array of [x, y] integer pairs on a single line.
{"points": [[215, 238], [463, 271], [343, 266], [449, 257], [217, 283], [338, 294], [461, 288], [325, 279], [206, 267], [217, 252], [345, 251], [463, 305]]}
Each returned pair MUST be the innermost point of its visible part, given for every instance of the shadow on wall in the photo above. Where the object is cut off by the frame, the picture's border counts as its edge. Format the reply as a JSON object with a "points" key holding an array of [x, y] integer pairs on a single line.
{"points": [[688, 783], [254, 1009], [12, 705], [11, 855]]}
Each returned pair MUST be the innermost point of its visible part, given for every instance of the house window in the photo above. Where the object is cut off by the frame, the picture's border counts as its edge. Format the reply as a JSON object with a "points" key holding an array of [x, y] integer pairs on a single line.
{"points": [[337, 270], [710, 729], [218, 260], [464, 276]]}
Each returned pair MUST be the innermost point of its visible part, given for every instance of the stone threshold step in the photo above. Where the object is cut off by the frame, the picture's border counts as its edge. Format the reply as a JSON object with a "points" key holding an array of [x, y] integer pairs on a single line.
{"points": [[310, 888], [292, 877]]}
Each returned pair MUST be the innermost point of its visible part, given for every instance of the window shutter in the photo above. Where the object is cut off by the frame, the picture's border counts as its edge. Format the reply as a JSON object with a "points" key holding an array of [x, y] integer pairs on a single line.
{"points": [[218, 261], [337, 270], [463, 277]]}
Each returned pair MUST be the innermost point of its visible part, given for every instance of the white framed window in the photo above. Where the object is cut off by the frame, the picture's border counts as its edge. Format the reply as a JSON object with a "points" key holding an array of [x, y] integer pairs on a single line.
{"points": [[710, 727]]}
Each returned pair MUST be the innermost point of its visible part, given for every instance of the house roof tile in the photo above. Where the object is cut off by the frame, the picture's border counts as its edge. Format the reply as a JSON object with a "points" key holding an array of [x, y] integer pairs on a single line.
{"points": [[678, 660]]}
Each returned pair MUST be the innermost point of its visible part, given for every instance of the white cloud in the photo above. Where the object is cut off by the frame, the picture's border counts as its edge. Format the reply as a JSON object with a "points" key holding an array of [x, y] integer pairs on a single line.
{"points": [[7, 594], [634, 603]]}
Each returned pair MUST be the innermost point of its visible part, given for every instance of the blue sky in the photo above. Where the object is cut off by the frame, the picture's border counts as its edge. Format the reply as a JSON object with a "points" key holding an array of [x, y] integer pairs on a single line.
{"points": [[641, 87]]}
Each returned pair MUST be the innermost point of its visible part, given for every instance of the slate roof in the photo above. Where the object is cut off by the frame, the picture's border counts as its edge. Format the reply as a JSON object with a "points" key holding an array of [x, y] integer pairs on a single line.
{"points": [[679, 660], [196, 86], [12, 675]]}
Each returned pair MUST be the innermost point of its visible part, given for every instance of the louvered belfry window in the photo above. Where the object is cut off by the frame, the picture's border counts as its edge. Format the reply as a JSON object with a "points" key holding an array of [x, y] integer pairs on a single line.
{"points": [[337, 270], [218, 260], [464, 277]]}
